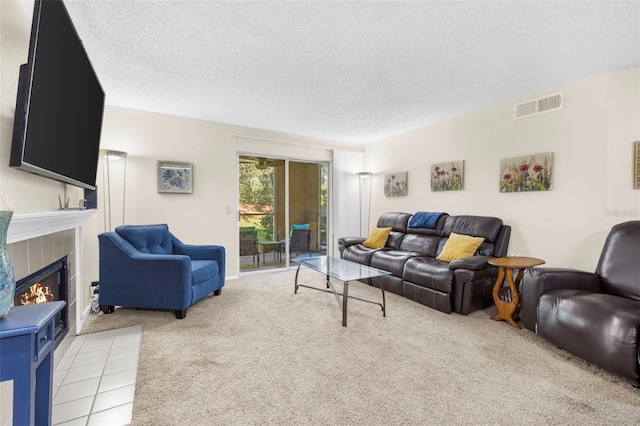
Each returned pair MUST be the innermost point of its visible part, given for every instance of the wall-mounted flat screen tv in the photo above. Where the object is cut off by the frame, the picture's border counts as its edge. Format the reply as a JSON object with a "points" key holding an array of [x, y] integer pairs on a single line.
{"points": [[60, 102]]}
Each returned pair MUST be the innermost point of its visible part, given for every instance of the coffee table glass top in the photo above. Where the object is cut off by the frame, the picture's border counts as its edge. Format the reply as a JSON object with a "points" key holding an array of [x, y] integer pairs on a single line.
{"points": [[340, 269]]}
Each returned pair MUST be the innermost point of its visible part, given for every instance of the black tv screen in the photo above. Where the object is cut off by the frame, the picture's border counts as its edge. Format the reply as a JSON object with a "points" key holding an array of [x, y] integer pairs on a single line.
{"points": [[60, 102]]}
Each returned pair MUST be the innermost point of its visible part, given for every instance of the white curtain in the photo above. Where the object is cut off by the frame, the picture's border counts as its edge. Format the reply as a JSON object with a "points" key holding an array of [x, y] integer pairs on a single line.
{"points": [[346, 196]]}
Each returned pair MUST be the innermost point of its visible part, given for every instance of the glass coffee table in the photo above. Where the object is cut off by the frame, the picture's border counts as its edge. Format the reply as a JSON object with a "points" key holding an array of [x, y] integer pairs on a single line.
{"points": [[342, 270]]}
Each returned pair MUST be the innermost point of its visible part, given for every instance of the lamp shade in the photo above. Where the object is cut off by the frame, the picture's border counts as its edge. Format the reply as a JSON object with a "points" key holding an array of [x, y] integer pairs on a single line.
{"points": [[112, 154]]}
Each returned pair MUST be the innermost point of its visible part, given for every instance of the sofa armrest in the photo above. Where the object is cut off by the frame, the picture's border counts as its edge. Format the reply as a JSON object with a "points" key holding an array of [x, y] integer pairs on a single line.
{"points": [[202, 252], [473, 262], [537, 281], [350, 241], [472, 287]]}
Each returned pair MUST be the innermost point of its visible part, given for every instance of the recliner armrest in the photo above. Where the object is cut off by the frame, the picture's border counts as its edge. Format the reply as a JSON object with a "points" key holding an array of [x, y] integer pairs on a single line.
{"points": [[544, 279], [537, 281], [350, 241], [473, 262]]}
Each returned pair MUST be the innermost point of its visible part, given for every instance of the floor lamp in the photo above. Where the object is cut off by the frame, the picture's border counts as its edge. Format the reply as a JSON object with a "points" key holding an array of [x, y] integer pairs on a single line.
{"points": [[108, 156], [365, 186]]}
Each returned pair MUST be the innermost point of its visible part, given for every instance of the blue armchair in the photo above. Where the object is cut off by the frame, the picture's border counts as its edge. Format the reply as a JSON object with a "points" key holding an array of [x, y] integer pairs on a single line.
{"points": [[145, 266]]}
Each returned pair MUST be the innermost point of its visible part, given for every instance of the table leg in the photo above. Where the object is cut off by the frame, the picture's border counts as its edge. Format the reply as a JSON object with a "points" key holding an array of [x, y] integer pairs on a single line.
{"points": [[295, 291], [345, 297], [506, 309], [516, 311]]}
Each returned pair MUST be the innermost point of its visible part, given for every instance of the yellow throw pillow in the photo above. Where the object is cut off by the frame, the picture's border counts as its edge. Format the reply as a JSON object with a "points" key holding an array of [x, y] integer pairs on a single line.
{"points": [[377, 238], [459, 246]]}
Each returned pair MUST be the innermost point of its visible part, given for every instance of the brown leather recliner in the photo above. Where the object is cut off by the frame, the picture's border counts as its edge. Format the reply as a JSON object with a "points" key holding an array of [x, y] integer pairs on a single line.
{"points": [[595, 316]]}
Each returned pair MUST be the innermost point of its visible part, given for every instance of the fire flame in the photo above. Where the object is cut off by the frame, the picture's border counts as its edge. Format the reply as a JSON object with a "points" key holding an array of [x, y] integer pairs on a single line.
{"points": [[37, 293]]}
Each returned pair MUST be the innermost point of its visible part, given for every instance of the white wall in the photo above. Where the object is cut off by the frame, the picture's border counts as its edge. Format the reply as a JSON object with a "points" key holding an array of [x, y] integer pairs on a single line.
{"points": [[591, 140], [210, 214], [346, 193]]}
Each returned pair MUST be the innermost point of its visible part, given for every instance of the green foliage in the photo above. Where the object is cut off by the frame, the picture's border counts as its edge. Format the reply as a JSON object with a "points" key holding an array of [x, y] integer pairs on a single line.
{"points": [[256, 186], [257, 189]]}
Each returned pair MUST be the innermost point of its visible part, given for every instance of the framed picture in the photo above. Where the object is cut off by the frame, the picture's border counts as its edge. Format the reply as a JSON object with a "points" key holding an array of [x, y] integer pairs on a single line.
{"points": [[636, 165], [175, 177], [395, 184], [447, 176], [526, 173]]}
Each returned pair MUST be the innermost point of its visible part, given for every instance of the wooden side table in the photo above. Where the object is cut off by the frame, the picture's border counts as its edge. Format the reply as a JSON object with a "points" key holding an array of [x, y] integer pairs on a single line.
{"points": [[265, 247], [507, 298]]}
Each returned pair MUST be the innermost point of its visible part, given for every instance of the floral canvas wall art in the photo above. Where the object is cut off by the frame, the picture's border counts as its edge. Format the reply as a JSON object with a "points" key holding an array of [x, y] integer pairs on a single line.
{"points": [[447, 176], [526, 173], [395, 184], [175, 177]]}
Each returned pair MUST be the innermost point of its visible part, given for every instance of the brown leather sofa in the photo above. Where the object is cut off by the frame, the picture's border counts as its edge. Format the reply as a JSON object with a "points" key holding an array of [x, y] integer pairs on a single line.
{"points": [[595, 316], [461, 286]]}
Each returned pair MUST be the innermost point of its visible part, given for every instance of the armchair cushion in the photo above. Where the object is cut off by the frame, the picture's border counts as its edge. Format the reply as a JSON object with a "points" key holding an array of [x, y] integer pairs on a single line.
{"points": [[203, 270], [600, 328], [152, 239]]}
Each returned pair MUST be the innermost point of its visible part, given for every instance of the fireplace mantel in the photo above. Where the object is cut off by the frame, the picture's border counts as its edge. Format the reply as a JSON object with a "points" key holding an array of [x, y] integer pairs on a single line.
{"points": [[24, 226]]}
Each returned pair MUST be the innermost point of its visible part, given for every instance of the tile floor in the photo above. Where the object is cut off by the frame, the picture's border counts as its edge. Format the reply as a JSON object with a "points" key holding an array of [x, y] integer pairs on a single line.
{"points": [[94, 383]]}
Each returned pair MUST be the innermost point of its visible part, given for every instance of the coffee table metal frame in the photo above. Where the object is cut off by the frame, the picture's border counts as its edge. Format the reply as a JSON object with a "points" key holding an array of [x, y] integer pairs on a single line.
{"points": [[342, 270]]}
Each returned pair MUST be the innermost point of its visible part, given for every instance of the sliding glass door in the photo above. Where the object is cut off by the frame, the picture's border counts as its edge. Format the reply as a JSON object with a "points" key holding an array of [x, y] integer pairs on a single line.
{"points": [[307, 209], [283, 211]]}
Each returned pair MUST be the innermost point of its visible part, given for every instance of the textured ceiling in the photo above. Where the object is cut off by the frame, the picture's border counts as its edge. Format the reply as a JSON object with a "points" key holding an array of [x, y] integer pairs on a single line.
{"points": [[342, 70]]}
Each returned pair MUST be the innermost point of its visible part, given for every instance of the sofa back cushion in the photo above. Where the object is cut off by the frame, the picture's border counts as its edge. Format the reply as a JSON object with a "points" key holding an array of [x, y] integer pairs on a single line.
{"points": [[475, 226], [618, 266], [397, 221], [425, 244], [150, 239]]}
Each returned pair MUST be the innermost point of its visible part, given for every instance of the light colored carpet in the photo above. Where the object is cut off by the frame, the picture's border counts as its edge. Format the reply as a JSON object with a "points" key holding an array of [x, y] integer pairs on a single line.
{"points": [[258, 354]]}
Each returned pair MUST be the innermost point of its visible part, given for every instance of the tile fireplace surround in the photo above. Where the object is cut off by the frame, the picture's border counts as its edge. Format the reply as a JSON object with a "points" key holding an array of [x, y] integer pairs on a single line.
{"points": [[36, 240]]}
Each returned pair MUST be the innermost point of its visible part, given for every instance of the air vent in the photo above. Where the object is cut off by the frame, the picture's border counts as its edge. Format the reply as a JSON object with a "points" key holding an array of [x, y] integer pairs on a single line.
{"points": [[538, 106]]}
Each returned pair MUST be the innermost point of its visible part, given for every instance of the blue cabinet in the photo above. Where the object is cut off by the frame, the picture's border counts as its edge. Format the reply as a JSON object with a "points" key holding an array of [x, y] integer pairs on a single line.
{"points": [[26, 357]]}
